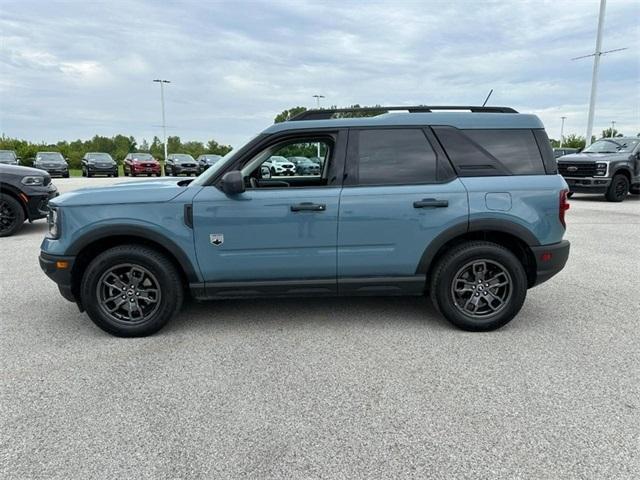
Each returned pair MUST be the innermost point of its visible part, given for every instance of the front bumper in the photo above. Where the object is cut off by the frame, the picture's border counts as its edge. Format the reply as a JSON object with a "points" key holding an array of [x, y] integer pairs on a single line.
{"points": [[95, 170], [188, 170], [58, 268], [550, 259], [37, 201], [588, 184]]}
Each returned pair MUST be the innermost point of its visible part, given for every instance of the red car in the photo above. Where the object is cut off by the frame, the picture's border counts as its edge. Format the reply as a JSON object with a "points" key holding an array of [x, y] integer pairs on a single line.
{"points": [[141, 164]]}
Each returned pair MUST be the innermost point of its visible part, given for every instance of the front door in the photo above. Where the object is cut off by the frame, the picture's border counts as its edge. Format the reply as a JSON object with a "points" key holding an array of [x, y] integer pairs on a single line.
{"points": [[279, 236]]}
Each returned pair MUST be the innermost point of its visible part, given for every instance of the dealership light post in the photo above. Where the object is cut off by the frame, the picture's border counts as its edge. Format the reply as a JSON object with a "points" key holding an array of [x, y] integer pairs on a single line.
{"points": [[596, 66], [164, 125], [562, 131], [613, 125], [318, 97]]}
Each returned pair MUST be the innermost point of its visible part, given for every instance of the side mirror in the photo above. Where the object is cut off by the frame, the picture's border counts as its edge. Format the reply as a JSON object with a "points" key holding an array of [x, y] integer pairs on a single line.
{"points": [[232, 182], [265, 172]]}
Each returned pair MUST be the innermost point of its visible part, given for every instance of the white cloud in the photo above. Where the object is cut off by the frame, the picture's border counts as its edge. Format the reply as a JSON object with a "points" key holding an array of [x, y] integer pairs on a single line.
{"points": [[235, 65]]}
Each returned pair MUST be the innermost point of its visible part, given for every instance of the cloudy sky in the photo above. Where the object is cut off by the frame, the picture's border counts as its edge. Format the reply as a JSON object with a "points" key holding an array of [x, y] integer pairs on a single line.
{"points": [[73, 69]]}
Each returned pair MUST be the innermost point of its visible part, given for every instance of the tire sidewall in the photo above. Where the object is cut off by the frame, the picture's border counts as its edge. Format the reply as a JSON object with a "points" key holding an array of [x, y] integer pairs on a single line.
{"points": [[451, 267], [165, 273], [19, 213], [611, 194]]}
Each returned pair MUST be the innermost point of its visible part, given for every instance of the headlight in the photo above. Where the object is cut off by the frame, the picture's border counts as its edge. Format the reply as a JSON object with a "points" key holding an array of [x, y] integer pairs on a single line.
{"points": [[53, 219], [601, 169], [32, 181]]}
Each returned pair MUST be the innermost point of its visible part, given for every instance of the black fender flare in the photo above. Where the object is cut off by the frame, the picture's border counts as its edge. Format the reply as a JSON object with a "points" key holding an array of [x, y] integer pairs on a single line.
{"points": [[140, 232], [487, 224]]}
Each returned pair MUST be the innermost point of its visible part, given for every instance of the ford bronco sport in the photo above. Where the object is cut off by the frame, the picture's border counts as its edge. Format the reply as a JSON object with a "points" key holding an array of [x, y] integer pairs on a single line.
{"points": [[610, 166], [465, 206]]}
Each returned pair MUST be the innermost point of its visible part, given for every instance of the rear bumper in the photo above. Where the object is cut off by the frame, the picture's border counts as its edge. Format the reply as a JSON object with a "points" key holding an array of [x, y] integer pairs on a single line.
{"points": [[550, 259], [588, 184], [61, 276]]}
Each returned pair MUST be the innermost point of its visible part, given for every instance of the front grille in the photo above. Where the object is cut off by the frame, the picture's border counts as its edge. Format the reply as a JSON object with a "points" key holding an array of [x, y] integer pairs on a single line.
{"points": [[577, 169], [149, 164], [189, 165]]}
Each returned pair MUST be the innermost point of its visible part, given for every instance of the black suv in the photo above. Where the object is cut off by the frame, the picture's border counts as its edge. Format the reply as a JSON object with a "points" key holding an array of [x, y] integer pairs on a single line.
{"points": [[179, 163], [98, 163], [24, 193], [53, 163], [9, 157]]}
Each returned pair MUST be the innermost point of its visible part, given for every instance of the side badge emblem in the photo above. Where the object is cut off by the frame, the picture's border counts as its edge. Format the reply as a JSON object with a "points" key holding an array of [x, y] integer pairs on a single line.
{"points": [[216, 239]]}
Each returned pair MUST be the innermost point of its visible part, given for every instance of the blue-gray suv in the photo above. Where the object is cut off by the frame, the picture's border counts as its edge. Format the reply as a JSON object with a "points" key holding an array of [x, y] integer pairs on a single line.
{"points": [[465, 205]]}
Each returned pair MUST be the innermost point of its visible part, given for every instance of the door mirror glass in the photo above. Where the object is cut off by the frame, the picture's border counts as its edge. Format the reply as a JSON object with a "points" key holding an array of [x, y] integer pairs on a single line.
{"points": [[265, 173], [232, 182]]}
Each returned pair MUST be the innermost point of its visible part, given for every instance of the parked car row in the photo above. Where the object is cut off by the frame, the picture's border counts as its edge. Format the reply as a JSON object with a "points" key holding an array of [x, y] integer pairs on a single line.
{"points": [[289, 166], [101, 163]]}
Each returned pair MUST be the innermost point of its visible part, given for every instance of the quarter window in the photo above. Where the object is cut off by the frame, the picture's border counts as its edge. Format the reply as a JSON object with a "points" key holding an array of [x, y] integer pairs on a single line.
{"points": [[394, 156], [516, 150]]}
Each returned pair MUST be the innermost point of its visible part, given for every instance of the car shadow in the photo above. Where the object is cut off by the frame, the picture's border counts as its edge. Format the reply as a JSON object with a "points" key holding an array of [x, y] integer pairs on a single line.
{"points": [[328, 311]]}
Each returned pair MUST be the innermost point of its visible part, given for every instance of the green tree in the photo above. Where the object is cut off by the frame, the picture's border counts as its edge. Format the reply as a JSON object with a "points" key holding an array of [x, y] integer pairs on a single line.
{"points": [[144, 146], [217, 149], [608, 133], [573, 141], [174, 144], [288, 114]]}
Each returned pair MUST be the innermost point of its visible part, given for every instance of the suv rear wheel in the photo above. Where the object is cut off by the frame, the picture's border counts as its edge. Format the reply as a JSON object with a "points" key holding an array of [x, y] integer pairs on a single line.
{"points": [[479, 286], [131, 291], [11, 216], [618, 189]]}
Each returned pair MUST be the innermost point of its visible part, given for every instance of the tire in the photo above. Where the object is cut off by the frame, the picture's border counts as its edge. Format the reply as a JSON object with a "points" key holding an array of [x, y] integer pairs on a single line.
{"points": [[133, 174], [84, 172], [11, 215], [500, 264], [124, 172], [88, 174], [570, 194], [618, 189], [66, 175], [273, 172], [113, 266]]}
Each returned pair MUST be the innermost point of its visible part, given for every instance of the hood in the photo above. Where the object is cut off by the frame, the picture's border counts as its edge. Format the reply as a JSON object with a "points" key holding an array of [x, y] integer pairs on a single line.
{"points": [[21, 171], [149, 191], [594, 157]]}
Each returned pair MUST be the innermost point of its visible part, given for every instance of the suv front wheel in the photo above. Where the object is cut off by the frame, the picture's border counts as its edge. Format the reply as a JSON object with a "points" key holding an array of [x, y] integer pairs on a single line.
{"points": [[479, 286], [131, 291]]}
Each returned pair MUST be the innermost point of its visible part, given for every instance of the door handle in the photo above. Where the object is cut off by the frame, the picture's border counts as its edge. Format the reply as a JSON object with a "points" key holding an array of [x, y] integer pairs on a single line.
{"points": [[430, 203], [308, 207]]}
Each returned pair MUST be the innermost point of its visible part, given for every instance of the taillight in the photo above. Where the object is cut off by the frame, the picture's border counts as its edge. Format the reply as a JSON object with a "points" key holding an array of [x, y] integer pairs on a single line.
{"points": [[563, 207]]}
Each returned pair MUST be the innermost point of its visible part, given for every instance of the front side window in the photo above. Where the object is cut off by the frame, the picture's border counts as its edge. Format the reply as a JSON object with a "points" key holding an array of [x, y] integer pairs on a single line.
{"points": [[393, 157], [295, 163]]}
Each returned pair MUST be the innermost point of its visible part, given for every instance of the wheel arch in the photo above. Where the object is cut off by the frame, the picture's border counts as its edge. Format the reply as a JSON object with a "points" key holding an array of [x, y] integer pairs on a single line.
{"points": [[624, 170], [88, 246], [514, 237]]}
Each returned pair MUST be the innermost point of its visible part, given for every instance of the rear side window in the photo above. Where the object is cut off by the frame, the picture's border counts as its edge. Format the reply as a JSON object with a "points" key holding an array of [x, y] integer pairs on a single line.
{"points": [[492, 152], [517, 150], [393, 157]]}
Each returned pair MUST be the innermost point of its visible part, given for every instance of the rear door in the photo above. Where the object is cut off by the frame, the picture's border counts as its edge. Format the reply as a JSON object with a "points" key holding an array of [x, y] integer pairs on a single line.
{"points": [[399, 194]]}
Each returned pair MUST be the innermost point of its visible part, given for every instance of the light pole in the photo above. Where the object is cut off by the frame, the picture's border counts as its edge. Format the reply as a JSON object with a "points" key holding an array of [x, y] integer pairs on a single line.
{"points": [[613, 125], [318, 97], [562, 131], [164, 125]]}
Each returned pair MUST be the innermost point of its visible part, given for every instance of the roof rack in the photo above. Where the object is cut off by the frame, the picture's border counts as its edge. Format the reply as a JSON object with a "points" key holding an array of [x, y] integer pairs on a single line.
{"points": [[327, 113]]}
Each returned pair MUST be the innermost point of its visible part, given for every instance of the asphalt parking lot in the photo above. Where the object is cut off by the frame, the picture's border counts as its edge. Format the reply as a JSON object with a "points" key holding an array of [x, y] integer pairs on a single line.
{"points": [[331, 388]]}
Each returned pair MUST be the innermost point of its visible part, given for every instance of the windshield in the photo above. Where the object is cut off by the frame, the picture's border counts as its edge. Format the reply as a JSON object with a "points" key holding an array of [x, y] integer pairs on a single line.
{"points": [[212, 158], [99, 156], [612, 145], [143, 156], [183, 157], [7, 155], [50, 157]]}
